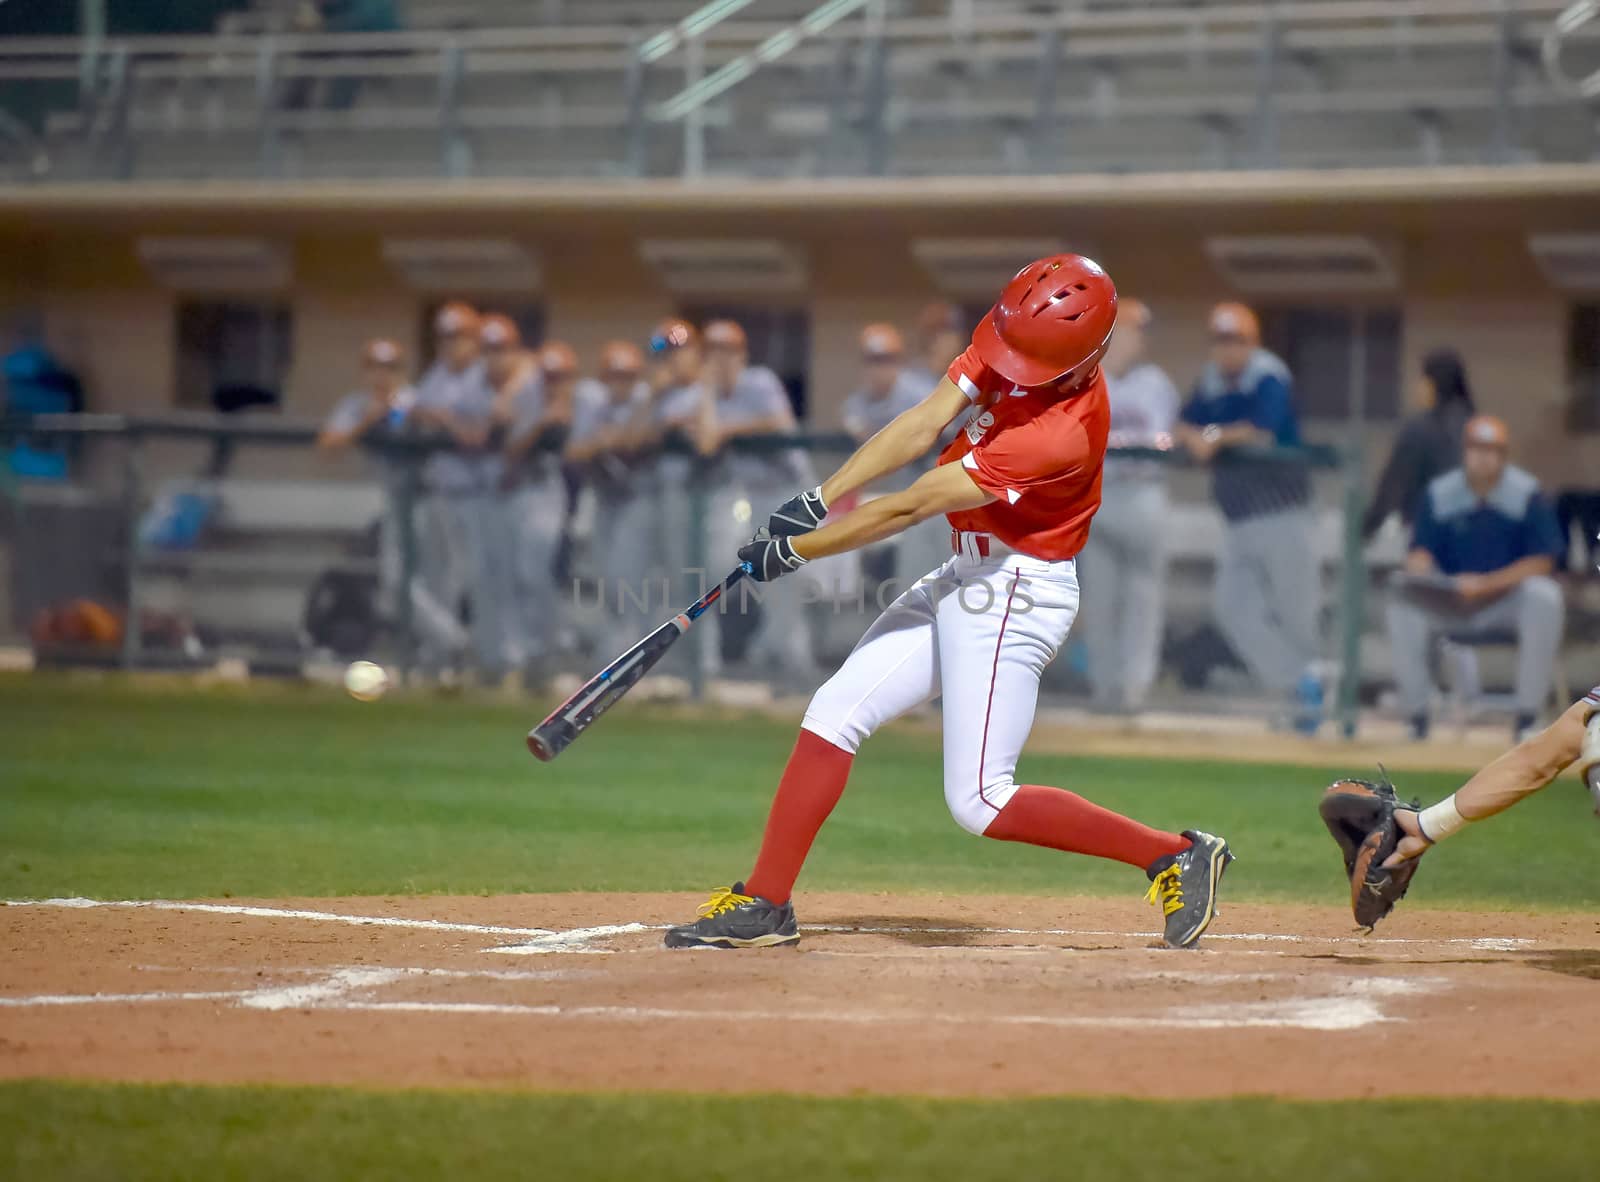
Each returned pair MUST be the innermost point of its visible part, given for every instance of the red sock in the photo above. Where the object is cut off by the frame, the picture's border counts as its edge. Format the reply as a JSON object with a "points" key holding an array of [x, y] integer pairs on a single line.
{"points": [[812, 783], [1063, 820]]}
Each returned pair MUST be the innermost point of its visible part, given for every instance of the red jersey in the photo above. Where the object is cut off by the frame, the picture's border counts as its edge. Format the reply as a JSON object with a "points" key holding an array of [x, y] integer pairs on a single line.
{"points": [[1040, 452]]}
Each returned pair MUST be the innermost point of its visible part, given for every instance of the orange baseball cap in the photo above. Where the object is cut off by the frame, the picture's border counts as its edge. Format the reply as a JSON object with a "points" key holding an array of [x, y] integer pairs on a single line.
{"points": [[499, 332], [882, 342], [620, 357], [673, 333], [1487, 431], [382, 351], [557, 359], [1135, 312], [455, 318], [1235, 321], [725, 334]]}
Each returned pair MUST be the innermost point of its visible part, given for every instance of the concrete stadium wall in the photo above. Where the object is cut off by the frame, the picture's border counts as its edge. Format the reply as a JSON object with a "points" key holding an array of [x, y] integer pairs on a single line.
{"points": [[1467, 277]]}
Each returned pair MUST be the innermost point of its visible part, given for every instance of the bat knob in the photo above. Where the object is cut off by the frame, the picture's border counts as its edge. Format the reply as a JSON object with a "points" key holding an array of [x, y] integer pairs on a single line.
{"points": [[550, 738]]}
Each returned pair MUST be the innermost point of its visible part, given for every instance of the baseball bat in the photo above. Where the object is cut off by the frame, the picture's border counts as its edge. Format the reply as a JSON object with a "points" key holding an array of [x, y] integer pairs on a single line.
{"points": [[602, 691]]}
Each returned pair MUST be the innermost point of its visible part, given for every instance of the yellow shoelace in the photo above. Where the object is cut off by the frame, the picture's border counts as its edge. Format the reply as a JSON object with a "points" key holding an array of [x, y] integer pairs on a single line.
{"points": [[1166, 890], [723, 899]]}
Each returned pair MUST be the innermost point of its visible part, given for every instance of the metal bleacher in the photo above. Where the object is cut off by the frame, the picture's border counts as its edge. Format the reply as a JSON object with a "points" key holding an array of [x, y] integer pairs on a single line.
{"points": [[572, 88]]}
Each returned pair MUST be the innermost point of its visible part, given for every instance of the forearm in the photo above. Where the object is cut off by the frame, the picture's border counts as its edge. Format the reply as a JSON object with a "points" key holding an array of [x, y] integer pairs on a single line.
{"points": [[1244, 435], [771, 426], [581, 451], [872, 522], [1526, 768], [459, 433], [1420, 562], [1508, 578], [905, 439], [545, 435], [946, 489], [909, 436]]}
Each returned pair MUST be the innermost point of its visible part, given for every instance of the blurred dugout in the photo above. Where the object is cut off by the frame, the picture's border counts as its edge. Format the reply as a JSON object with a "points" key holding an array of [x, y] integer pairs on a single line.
{"points": [[1123, 569], [888, 388]]}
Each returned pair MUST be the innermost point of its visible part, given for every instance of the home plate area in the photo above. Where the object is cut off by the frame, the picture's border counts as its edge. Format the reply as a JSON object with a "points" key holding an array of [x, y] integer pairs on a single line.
{"points": [[947, 995]]}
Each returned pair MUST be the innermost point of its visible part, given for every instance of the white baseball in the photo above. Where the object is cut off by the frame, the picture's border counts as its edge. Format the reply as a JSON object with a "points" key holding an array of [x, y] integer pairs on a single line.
{"points": [[366, 681]]}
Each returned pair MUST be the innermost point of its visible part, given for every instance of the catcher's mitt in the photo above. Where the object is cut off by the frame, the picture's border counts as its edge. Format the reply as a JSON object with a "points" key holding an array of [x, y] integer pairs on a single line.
{"points": [[1360, 815]]}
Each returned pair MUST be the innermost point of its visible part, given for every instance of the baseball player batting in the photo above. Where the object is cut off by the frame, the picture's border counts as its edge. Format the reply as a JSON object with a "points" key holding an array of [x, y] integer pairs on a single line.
{"points": [[1382, 838], [1019, 484]]}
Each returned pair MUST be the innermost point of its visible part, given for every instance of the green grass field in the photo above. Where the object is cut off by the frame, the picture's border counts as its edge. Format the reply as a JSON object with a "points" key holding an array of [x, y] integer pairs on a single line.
{"points": [[115, 790], [330, 1135]]}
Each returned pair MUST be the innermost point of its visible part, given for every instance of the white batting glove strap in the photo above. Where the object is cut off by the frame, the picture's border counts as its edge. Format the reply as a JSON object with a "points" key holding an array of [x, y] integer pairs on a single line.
{"points": [[799, 514], [770, 558]]}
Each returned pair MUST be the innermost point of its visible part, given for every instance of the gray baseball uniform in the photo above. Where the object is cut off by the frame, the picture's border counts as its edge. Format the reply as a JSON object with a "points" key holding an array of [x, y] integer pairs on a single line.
{"points": [[624, 545], [744, 488], [466, 537], [926, 546], [536, 505], [1123, 567], [1269, 586], [439, 635]]}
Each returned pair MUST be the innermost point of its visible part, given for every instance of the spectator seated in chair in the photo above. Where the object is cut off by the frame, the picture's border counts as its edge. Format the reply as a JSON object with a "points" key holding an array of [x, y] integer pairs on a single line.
{"points": [[1484, 549]]}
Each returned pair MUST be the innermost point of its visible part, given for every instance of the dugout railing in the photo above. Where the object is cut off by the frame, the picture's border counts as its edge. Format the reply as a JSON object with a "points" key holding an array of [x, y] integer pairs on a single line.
{"points": [[126, 463]]}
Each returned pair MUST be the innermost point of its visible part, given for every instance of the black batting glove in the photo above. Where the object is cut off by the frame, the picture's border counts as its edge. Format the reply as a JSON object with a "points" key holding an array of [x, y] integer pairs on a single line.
{"points": [[765, 559], [798, 515]]}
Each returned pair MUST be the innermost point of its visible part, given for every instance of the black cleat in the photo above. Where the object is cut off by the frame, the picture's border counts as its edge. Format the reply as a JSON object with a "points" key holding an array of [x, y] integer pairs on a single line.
{"points": [[1185, 885], [733, 919]]}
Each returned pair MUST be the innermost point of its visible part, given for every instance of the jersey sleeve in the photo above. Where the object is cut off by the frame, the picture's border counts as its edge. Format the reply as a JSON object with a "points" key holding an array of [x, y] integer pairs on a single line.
{"points": [[527, 408], [1164, 402], [1544, 530], [347, 413], [1272, 410], [1195, 412], [1028, 457], [774, 398], [1425, 531], [855, 416], [970, 374]]}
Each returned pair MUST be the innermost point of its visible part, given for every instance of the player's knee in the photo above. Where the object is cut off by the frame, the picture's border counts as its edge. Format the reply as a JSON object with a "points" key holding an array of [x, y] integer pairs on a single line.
{"points": [[834, 714], [973, 803], [1542, 593]]}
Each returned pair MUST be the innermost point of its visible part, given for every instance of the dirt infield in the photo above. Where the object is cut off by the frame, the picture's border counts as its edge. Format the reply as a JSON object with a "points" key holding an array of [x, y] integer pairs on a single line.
{"points": [[933, 995]]}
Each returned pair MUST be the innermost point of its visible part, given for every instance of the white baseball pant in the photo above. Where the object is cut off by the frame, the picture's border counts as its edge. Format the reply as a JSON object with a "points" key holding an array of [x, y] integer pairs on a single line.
{"points": [[979, 631]]}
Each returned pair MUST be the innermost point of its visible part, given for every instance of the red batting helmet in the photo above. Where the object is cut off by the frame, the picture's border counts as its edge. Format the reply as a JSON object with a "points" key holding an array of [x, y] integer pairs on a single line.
{"points": [[1051, 323]]}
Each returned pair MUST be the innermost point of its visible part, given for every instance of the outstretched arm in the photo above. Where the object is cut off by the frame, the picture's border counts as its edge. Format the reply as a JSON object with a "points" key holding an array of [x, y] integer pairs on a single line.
{"points": [[946, 489], [908, 437], [1519, 773]]}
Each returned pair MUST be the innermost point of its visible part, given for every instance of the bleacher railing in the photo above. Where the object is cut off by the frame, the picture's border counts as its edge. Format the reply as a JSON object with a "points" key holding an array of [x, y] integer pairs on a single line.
{"points": [[859, 62]]}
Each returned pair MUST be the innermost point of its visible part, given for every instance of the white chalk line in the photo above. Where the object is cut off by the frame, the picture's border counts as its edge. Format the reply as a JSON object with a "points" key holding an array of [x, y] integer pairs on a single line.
{"points": [[322, 971], [376, 921], [330, 987], [1343, 1005], [84, 999], [581, 940], [577, 940]]}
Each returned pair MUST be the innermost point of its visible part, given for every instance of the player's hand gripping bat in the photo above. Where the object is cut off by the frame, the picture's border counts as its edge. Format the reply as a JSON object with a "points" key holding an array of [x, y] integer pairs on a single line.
{"points": [[602, 691]]}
